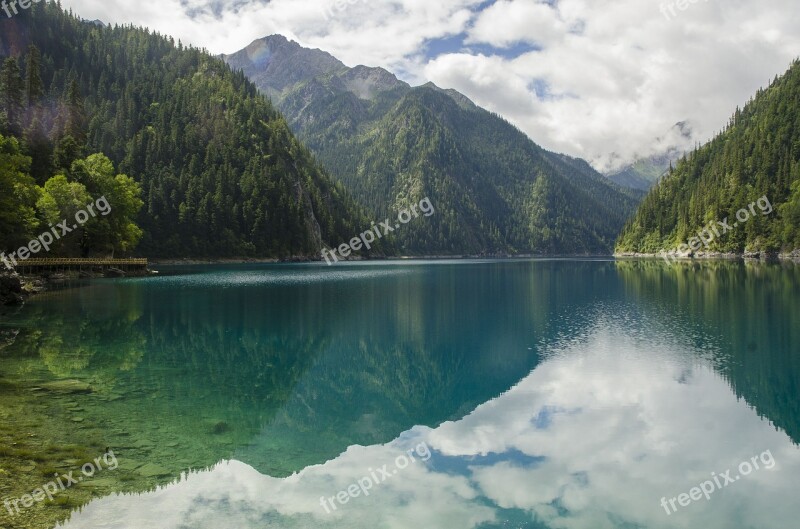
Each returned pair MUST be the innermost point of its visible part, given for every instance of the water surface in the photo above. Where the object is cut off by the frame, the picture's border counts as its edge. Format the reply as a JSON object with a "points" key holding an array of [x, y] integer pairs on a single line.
{"points": [[547, 393]]}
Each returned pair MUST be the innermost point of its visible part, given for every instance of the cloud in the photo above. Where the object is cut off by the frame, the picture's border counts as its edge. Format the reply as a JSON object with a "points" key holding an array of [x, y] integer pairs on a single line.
{"points": [[508, 22], [607, 80], [593, 438]]}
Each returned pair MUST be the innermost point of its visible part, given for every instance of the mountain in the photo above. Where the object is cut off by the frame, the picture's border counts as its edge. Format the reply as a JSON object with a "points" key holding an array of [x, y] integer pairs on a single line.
{"points": [[645, 172], [495, 191], [221, 173], [755, 161]]}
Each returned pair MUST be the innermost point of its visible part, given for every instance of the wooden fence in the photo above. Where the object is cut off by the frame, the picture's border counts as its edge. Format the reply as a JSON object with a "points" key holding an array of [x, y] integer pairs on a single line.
{"points": [[79, 264]]}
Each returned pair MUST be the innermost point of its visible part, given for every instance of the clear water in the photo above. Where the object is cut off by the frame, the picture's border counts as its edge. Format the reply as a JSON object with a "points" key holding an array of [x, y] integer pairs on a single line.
{"points": [[533, 394]]}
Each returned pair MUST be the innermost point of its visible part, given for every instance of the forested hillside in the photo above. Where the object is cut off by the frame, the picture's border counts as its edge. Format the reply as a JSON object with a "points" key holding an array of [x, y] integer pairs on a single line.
{"points": [[219, 170], [390, 144], [757, 155]]}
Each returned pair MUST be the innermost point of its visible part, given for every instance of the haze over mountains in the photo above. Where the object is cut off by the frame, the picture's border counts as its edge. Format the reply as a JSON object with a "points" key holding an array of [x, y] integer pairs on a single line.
{"points": [[644, 173], [755, 160], [390, 143]]}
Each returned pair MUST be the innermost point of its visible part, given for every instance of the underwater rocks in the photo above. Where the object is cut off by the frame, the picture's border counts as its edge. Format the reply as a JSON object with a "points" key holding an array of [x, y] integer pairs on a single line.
{"points": [[67, 387], [10, 289]]}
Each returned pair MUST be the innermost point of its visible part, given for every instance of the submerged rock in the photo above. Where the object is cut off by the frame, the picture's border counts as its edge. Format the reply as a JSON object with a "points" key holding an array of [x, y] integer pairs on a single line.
{"points": [[220, 428], [7, 337], [151, 470], [67, 386], [10, 289], [99, 483]]}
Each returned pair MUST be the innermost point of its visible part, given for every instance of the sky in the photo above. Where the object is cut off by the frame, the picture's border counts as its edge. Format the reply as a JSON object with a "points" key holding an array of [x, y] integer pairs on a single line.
{"points": [[603, 80]]}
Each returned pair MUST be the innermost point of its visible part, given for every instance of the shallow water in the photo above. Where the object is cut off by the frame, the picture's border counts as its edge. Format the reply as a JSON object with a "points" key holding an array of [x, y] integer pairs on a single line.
{"points": [[545, 393]]}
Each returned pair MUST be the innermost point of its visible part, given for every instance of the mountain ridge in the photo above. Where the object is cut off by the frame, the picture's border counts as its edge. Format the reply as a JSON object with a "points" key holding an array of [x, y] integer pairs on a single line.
{"points": [[389, 143], [221, 173]]}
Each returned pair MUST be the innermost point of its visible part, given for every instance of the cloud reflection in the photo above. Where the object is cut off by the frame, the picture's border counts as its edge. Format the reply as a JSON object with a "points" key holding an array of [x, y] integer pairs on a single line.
{"points": [[591, 439]]}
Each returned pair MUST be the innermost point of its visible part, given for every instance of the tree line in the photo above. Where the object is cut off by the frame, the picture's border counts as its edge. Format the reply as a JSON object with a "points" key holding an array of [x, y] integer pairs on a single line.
{"points": [[47, 177]]}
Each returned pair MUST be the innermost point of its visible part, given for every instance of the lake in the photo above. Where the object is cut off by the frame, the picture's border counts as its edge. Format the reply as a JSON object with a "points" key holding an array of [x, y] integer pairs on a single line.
{"points": [[418, 394]]}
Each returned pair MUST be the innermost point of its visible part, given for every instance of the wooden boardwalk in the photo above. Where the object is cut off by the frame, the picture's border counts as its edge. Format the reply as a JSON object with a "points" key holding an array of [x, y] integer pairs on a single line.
{"points": [[79, 264]]}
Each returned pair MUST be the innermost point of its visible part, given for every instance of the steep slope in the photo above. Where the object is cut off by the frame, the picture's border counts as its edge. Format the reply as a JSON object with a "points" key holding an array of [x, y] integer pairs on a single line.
{"points": [[757, 155], [494, 189], [221, 173]]}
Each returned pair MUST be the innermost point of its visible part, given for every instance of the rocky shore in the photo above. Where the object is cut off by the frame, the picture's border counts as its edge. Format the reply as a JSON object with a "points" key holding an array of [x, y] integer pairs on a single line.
{"points": [[16, 288], [675, 255]]}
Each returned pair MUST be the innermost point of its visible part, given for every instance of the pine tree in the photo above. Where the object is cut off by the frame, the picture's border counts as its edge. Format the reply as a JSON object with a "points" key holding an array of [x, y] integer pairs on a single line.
{"points": [[34, 87], [11, 95], [76, 114]]}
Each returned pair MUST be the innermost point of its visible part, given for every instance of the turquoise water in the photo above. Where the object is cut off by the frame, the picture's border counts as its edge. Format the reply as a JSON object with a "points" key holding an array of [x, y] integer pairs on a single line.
{"points": [[535, 394]]}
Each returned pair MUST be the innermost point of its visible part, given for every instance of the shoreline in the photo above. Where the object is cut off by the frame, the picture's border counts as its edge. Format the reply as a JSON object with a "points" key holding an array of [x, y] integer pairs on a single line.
{"points": [[306, 259], [793, 256], [16, 288]]}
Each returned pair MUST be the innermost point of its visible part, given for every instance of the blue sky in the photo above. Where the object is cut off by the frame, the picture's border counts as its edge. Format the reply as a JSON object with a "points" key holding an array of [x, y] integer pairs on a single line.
{"points": [[600, 79]]}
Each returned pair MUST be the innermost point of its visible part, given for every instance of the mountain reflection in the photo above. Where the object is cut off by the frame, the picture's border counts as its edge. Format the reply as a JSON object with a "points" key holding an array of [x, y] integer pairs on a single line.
{"points": [[594, 437], [552, 393]]}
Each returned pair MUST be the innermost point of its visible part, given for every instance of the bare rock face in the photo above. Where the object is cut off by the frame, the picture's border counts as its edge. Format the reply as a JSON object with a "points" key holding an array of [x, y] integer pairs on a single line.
{"points": [[275, 63], [10, 289]]}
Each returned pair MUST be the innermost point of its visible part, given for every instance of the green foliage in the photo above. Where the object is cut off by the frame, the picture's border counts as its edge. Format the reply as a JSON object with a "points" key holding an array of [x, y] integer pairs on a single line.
{"points": [[110, 203], [494, 190], [220, 172], [18, 196], [11, 98], [114, 232], [61, 200], [27, 210], [758, 154], [790, 212]]}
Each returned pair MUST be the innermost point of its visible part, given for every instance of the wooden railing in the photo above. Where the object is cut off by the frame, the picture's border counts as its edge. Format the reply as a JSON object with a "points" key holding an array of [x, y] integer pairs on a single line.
{"points": [[77, 263], [84, 262]]}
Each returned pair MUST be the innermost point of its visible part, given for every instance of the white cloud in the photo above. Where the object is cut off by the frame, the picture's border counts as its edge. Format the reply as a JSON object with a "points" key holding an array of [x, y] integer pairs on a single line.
{"points": [[619, 73], [628, 420], [507, 22]]}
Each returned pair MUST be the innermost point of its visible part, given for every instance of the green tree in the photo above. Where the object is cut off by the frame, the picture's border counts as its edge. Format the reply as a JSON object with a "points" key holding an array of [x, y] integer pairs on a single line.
{"points": [[115, 230], [18, 196], [75, 125], [60, 201], [34, 87], [11, 95]]}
